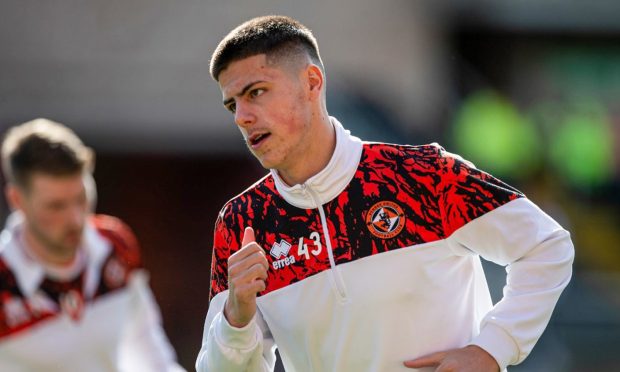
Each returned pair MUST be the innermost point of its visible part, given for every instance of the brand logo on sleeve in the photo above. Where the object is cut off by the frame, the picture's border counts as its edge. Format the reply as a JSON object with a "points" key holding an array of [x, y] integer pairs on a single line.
{"points": [[385, 219]]}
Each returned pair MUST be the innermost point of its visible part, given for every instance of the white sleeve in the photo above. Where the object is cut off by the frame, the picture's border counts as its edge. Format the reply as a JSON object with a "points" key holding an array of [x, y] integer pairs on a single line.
{"points": [[144, 346], [538, 253], [229, 349]]}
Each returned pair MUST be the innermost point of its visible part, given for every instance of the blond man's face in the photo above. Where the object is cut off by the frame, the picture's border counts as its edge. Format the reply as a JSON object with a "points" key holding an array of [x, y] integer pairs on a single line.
{"points": [[55, 210]]}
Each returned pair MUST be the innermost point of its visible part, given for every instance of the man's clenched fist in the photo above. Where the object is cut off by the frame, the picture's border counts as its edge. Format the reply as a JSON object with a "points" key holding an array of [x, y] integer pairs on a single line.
{"points": [[247, 272]]}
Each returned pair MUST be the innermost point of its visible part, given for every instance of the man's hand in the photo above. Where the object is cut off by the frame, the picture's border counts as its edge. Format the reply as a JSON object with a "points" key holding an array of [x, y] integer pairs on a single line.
{"points": [[247, 272], [471, 358]]}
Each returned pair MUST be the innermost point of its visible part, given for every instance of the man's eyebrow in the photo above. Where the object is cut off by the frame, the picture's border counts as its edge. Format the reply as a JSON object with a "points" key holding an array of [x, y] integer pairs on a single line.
{"points": [[243, 91]]}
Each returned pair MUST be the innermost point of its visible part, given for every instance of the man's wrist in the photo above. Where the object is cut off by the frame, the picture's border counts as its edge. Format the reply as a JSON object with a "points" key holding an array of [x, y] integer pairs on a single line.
{"points": [[484, 355], [232, 320], [499, 344]]}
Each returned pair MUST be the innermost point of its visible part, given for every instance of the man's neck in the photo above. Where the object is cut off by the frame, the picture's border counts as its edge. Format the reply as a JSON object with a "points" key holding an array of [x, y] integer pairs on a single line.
{"points": [[315, 159], [39, 251]]}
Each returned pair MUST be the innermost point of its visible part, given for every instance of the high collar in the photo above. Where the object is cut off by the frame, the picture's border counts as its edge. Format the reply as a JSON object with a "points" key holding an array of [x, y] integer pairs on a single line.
{"points": [[331, 180], [30, 272]]}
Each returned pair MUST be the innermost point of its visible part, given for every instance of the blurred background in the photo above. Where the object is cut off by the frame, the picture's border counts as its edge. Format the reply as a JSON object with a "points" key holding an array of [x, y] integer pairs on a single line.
{"points": [[528, 90]]}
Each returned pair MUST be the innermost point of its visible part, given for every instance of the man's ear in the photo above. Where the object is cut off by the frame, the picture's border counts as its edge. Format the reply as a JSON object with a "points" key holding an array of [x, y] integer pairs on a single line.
{"points": [[315, 79], [14, 196]]}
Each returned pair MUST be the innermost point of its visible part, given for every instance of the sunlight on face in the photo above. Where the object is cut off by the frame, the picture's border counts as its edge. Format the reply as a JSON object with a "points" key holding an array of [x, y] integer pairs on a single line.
{"points": [[55, 209], [271, 107]]}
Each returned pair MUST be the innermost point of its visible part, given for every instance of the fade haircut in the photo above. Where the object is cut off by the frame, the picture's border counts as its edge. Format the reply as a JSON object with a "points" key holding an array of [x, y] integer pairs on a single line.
{"points": [[43, 146], [278, 37]]}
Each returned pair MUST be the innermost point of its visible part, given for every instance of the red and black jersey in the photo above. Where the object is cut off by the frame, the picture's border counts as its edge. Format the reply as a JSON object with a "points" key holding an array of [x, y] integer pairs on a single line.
{"points": [[19, 311], [400, 196], [376, 260], [97, 314]]}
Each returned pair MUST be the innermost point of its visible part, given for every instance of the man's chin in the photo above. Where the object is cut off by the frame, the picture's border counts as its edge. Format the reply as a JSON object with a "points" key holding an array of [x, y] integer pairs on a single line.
{"points": [[71, 244], [265, 162]]}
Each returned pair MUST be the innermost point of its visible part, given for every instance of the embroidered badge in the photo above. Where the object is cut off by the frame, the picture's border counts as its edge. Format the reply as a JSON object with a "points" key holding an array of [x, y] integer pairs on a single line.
{"points": [[385, 219]]}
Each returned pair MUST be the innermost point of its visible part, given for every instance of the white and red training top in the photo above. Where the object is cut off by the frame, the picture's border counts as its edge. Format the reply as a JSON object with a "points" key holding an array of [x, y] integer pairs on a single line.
{"points": [[375, 260], [96, 315]]}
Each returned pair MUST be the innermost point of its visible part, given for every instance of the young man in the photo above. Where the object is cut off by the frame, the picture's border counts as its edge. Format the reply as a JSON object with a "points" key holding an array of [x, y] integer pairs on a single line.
{"points": [[73, 295], [357, 256]]}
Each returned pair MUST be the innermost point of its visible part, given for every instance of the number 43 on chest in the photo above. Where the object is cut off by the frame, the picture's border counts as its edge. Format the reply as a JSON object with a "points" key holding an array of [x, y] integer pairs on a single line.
{"points": [[315, 243]]}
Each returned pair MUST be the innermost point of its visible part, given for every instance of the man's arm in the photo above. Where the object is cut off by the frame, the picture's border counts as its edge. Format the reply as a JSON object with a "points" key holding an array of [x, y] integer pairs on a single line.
{"points": [[235, 336], [227, 348], [482, 215], [539, 254], [144, 345]]}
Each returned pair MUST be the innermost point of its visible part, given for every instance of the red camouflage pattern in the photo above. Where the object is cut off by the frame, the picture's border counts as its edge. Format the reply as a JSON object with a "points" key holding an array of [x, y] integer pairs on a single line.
{"points": [[437, 191]]}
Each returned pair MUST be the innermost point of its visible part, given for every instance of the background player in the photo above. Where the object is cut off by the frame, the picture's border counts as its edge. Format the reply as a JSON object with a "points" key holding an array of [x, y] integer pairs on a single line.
{"points": [[73, 294]]}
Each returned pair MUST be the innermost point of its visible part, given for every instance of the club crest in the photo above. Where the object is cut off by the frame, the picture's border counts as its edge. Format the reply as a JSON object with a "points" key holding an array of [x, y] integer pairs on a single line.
{"points": [[385, 219]]}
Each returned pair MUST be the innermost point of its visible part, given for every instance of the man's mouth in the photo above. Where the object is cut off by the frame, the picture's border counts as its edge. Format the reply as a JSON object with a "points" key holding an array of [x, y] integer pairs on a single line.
{"points": [[74, 235], [256, 139]]}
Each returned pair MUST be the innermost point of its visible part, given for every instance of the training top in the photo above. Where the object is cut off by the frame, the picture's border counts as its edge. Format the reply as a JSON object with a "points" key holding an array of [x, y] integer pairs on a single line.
{"points": [[375, 260], [97, 314]]}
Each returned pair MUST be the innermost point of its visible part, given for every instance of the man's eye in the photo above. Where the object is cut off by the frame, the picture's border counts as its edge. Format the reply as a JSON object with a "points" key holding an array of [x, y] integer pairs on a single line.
{"points": [[256, 92], [232, 107]]}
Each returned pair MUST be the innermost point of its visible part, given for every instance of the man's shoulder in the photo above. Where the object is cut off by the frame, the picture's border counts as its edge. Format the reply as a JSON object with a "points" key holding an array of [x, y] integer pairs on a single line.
{"points": [[121, 237], [259, 191], [10, 270], [425, 150], [12, 306], [428, 154]]}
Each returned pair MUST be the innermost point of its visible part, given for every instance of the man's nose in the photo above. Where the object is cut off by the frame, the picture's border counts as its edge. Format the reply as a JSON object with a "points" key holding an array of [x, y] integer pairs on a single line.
{"points": [[244, 116]]}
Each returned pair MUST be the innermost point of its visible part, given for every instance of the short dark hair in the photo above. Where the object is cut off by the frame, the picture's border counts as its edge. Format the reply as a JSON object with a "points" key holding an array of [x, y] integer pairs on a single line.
{"points": [[42, 145], [272, 35]]}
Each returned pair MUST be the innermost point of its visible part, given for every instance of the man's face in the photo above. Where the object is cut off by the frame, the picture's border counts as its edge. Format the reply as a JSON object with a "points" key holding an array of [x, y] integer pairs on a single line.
{"points": [[272, 109], [55, 209]]}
